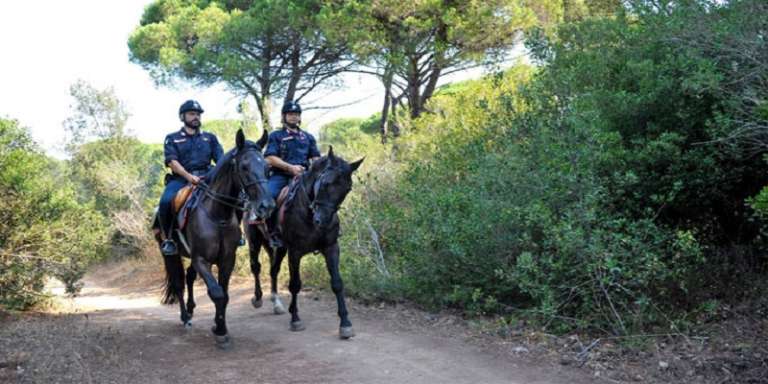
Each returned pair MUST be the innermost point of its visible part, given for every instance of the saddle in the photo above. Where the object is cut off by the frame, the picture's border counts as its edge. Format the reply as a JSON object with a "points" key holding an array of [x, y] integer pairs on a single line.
{"points": [[181, 197], [286, 194], [282, 195], [183, 203]]}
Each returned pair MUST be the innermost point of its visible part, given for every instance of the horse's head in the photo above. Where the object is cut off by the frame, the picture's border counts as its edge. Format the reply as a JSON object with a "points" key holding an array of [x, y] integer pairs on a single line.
{"points": [[251, 171], [331, 185]]}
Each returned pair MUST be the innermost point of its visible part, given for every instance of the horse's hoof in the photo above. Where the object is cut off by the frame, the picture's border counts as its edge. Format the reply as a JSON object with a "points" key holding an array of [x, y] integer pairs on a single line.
{"points": [[346, 332], [223, 342], [277, 305], [297, 326], [257, 303], [188, 324]]}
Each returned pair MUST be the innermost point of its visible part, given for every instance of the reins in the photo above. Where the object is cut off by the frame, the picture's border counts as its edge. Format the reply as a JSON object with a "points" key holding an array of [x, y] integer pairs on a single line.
{"points": [[315, 188], [236, 203]]}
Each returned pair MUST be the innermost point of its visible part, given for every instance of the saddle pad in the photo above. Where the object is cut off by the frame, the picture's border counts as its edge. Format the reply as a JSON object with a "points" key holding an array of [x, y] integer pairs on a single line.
{"points": [[286, 195], [190, 204], [181, 197]]}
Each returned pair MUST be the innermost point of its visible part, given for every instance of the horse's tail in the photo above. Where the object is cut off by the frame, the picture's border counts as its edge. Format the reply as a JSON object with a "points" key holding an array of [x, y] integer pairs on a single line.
{"points": [[174, 279]]}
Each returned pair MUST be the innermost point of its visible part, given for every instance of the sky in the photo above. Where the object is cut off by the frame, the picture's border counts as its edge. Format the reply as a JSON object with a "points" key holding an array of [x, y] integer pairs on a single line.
{"points": [[48, 45]]}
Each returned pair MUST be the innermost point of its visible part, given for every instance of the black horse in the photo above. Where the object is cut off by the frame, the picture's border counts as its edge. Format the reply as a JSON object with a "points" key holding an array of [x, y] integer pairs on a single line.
{"points": [[309, 223], [212, 231]]}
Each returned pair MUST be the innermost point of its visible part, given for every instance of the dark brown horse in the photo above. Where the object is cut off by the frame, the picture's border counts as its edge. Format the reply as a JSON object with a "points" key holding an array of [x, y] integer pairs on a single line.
{"points": [[309, 223], [212, 231]]}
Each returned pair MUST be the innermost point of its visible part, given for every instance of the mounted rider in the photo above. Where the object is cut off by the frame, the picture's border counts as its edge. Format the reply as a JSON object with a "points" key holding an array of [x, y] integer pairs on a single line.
{"points": [[188, 152], [289, 153]]}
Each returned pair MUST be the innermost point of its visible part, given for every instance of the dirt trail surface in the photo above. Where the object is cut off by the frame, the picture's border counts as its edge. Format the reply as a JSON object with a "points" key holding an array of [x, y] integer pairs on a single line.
{"points": [[117, 332]]}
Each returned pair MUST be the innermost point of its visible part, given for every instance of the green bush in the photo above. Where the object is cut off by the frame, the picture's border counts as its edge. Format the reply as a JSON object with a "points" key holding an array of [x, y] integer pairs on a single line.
{"points": [[595, 192], [44, 231]]}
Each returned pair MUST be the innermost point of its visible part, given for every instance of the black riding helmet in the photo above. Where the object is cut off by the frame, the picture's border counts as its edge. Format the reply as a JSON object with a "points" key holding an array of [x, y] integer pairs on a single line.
{"points": [[291, 107], [190, 105]]}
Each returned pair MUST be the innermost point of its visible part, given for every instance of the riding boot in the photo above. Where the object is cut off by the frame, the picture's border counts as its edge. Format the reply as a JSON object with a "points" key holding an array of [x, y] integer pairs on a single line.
{"points": [[168, 246]]}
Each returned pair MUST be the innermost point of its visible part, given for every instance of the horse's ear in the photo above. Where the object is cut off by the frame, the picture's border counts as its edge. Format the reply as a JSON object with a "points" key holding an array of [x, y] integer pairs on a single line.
{"points": [[263, 141], [330, 154], [356, 164], [240, 139]]}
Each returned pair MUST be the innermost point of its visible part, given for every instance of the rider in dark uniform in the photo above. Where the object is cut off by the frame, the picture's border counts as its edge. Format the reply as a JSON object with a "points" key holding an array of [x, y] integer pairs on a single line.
{"points": [[188, 152], [289, 152]]}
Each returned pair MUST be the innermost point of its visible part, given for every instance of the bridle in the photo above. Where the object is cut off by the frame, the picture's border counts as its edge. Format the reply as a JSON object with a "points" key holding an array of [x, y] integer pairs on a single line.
{"points": [[237, 203], [313, 203]]}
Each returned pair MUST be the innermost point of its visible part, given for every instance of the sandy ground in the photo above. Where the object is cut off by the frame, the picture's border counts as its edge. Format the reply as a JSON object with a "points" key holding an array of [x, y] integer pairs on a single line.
{"points": [[117, 332]]}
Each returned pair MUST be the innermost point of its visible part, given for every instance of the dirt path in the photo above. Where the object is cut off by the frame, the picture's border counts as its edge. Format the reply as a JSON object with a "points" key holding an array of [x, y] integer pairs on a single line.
{"points": [[116, 332]]}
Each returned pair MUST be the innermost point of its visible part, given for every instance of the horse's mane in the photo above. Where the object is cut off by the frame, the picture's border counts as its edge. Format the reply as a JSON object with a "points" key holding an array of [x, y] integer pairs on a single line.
{"points": [[225, 162], [319, 165]]}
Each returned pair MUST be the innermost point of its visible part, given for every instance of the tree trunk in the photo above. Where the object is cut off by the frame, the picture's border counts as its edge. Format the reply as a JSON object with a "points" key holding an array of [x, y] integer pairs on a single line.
{"points": [[431, 84], [265, 108], [394, 129], [265, 82], [436, 68], [387, 97], [296, 72], [414, 98]]}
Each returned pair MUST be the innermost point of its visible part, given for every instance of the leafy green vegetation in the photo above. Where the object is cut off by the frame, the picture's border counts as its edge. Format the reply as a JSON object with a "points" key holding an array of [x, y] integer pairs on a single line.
{"points": [[609, 189], [44, 231]]}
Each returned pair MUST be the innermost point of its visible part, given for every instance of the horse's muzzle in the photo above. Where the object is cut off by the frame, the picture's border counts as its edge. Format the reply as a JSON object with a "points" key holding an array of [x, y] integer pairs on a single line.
{"points": [[260, 210]]}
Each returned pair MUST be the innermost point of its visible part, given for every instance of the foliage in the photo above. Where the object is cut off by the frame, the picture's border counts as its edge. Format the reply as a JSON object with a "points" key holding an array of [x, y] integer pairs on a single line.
{"points": [[225, 131], [348, 131], [592, 193], [411, 45], [264, 48], [97, 205], [121, 178], [669, 104], [98, 114], [113, 172], [43, 229]]}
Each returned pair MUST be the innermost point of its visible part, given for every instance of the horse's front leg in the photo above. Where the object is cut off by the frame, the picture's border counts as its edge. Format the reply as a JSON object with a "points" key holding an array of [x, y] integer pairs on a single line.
{"points": [[215, 291], [294, 262], [191, 277], [254, 248], [331, 254], [226, 267], [275, 260]]}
